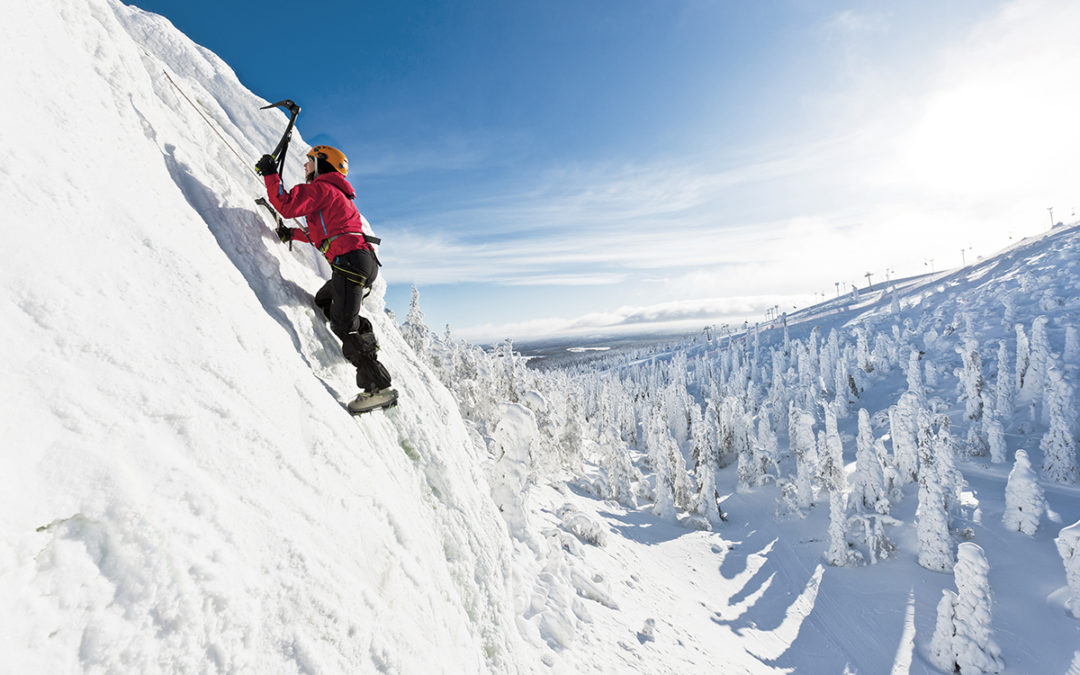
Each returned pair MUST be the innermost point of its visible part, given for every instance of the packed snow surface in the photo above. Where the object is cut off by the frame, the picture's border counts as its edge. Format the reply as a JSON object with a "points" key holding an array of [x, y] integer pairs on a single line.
{"points": [[887, 483]]}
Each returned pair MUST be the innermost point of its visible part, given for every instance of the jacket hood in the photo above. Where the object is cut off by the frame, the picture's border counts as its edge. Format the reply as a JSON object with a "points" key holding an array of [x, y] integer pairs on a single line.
{"points": [[338, 181]]}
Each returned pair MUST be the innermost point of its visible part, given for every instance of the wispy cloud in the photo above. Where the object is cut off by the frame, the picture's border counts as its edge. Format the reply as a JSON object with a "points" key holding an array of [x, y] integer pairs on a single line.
{"points": [[898, 182]]}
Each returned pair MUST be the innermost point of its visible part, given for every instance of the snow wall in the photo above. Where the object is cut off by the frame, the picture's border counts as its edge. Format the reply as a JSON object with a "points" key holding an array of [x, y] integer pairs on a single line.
{"points": [[180, 486]]}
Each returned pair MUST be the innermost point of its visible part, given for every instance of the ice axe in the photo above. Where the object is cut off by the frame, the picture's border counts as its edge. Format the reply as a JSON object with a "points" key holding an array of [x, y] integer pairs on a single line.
{"points": [[279, 152], [283, 145]]}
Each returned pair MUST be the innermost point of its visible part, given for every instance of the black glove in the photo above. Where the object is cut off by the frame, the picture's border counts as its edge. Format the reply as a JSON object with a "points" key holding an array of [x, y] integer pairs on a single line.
{"points": [[284, 233], [266, 166]]}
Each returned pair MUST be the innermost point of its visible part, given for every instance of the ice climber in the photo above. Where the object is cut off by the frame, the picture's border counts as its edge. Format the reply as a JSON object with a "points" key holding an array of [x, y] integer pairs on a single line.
{"points": [[334, 226]]}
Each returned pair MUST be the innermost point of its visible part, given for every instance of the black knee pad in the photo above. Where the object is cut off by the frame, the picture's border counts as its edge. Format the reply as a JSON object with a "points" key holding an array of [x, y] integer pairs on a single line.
{"points": [[367, 344]]}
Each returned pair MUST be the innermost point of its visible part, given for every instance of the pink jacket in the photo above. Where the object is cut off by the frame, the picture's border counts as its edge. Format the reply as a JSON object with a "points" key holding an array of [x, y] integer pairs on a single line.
{"points": [[333, 222]]}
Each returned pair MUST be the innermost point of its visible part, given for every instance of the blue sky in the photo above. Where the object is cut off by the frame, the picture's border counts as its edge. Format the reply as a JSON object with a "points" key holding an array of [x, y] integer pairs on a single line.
{"points": [[591, 167]]}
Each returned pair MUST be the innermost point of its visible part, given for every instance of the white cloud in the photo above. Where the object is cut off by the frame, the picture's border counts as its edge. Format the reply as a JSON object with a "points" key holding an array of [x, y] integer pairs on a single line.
{"points": [[971, 156], [682, 315]]}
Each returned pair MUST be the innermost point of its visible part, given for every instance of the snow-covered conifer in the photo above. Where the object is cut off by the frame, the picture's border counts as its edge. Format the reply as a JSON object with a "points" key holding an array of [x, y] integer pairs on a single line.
{"points": [[846, 389], [1005, 389], [862, 351], [930, 375], [903, 427], [807, 374], [1008, 316], [942, 650], [1023, 358], [1024, 499], [868, 481], [971, 379], [735, 443], [681, 487], [831, 467], [415, 331], [509, 375], [1071, 357], [1042, 359], [766, 448], [932, 517], [705, 471], [1058, 443], [1068, 546], [804, 448], [884, 354], [571, 431], [973, 645], [914, 374], [618, 472], [995, 440], [659, 440], [871, 528], [829, 358], [839, 553]]}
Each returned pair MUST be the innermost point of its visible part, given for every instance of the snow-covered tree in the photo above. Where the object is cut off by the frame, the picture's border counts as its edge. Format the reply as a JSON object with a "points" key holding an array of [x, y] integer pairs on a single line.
{"points": [[870, 529], [1042, 359], [1071, 357], [868, 481], [962, 638], [839, 553], [660, 456], [1008, 316], [914, 374], [415, 331], [705, 471], [971, 379], [804, 448], [510, 379], [1005, 387], [619, 472], [995, 440], [1025, 502], [831, 451], [932, 517], [1058, 443], [766, 447], [942, 650], [973, 645], [903, 427], [1068, 545], [1023, 358], [862, 351]]}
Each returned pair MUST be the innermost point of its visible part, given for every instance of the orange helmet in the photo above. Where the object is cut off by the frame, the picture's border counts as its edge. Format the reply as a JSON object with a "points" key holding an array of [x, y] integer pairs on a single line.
{"points": [[333, 156]]}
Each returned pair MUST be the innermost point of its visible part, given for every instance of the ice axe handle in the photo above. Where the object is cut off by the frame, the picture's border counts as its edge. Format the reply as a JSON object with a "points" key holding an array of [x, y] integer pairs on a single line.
{"points": [[283, 144]]}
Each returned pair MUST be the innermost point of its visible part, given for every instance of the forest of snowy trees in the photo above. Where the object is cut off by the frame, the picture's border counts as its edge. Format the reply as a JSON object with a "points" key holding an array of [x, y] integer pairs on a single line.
{"points": [[854, 418]]}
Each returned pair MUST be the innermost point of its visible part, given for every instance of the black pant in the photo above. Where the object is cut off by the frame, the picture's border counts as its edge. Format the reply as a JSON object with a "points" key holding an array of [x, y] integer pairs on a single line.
{"points": [[340, 300]]}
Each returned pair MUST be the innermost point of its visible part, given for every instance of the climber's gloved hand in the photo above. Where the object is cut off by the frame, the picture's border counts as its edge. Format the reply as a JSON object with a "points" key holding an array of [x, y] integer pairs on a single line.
{"points": [[266, 166], [284, 233]]}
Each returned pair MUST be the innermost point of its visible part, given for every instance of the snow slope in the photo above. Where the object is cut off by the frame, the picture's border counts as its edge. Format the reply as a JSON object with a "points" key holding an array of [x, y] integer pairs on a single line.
{"points": [[757, 594], [180, 486]]}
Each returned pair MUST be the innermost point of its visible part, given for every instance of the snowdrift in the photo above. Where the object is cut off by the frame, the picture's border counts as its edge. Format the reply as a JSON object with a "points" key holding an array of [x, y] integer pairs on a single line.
{"points": [[180, 485]]}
